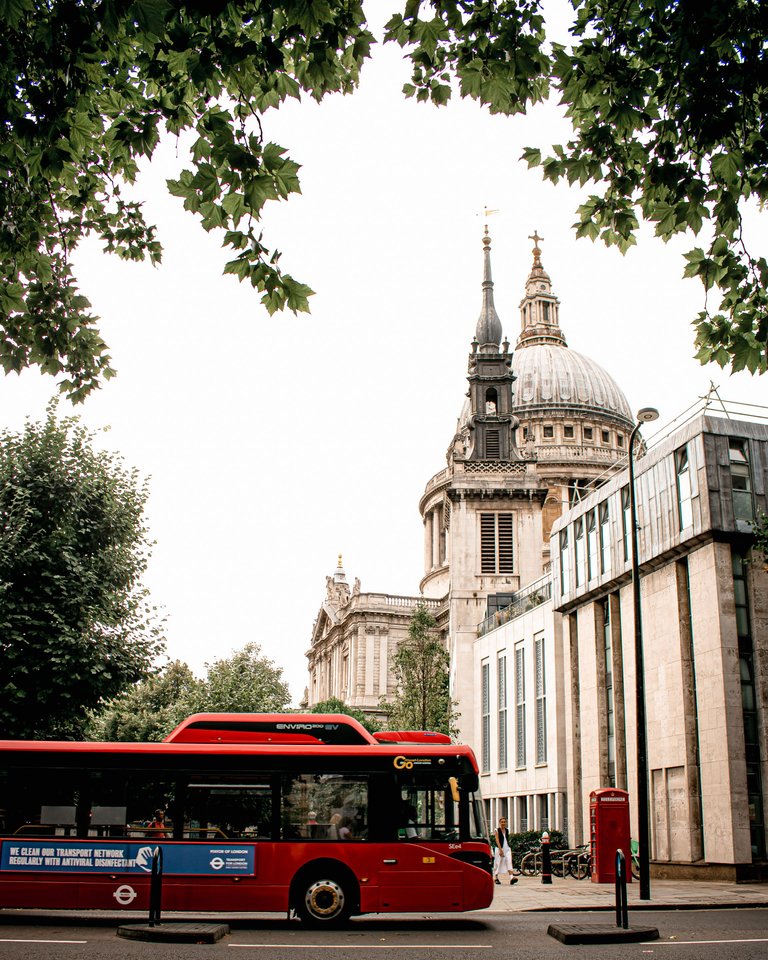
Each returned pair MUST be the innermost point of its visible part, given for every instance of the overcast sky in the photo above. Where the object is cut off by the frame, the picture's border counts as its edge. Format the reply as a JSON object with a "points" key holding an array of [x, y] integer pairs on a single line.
{"points": [[274, 443]]}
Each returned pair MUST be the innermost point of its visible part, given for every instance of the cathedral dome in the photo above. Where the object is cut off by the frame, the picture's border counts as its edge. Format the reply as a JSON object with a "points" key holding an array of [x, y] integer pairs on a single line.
{"points": [[549, 374]]}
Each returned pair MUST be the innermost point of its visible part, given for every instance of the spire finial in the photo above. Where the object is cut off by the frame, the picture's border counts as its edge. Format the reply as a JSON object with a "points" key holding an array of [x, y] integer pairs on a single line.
{"points": [[536, 249]]}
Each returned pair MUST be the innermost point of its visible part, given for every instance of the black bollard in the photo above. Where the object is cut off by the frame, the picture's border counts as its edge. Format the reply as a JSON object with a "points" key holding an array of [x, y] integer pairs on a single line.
{"points": [[546, 859], [156, 887], [622, 914]]}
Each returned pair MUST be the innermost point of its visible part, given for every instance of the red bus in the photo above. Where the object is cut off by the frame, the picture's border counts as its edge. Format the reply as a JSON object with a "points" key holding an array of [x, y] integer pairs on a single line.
{"points": [[263, 813]]}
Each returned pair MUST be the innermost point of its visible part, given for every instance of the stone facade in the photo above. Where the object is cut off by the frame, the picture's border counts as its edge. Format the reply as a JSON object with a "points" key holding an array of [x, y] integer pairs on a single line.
{"points": [[705, 643]]}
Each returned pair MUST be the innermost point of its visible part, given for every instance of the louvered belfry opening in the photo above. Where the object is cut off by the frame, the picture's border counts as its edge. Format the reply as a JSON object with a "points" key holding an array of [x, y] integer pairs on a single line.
{"points": [[492, 444], [496, 543]]}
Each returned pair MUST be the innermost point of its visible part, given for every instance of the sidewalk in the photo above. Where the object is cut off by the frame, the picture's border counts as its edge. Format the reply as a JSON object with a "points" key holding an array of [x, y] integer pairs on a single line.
{"points": [[529, 893]]}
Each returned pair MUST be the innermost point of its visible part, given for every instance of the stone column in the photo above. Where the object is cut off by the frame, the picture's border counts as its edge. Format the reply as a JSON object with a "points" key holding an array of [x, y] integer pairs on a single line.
{"points": [[435, 538]]}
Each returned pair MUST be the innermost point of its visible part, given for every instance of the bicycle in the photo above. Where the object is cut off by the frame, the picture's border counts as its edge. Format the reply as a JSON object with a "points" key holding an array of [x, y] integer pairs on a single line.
{"points": [[580, 863]]}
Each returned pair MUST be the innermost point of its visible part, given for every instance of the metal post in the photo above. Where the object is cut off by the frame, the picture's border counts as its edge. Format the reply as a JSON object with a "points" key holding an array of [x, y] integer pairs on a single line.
{"points": [[643, 829], [622, 913], [546, 859], [156, 886]]}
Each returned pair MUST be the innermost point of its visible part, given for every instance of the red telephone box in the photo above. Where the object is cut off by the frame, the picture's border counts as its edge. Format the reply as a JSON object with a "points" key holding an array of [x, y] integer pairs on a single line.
{"points": [[609, 832]]}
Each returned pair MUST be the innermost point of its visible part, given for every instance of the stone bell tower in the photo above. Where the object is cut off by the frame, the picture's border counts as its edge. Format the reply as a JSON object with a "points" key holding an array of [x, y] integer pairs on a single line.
{"points": [[492, 426]]}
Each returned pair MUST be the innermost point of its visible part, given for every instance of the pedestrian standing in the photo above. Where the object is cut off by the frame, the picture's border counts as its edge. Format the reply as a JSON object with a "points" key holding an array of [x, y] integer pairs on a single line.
{"points": [[502, 861]]}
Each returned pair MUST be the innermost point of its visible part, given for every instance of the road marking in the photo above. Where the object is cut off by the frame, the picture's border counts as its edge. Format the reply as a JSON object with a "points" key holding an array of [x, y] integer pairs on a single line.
{"points": [[30, 940], [366, 946], [685, 943]]}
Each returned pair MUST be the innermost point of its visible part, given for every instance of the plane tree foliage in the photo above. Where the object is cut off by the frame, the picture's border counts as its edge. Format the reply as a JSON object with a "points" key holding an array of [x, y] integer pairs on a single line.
{"points": [[75, 623], [87, 90], [668, 101]]}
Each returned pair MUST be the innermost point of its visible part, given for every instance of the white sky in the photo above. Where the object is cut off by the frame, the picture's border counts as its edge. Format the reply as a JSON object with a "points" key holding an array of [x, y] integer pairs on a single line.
{"points": [[274, 443]]}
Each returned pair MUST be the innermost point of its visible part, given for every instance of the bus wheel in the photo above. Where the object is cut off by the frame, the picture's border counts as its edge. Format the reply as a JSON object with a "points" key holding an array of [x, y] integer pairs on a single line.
{"points": [[324, 902]]}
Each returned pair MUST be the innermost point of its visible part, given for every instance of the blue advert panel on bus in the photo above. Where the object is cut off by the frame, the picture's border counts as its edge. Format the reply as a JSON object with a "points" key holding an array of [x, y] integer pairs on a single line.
{"points": [[108, 857]]}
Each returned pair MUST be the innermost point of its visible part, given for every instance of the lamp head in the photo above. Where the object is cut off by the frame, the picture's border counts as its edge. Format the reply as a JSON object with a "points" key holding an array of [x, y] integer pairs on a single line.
{"points": [[647, 414]]}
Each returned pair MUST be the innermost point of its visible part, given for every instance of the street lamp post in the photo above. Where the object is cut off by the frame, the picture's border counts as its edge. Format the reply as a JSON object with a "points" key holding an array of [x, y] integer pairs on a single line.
{"points": [[646, 415]]}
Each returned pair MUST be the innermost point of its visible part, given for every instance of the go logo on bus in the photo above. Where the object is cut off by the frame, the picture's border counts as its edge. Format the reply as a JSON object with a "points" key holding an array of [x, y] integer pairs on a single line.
{"points": [[402, 763]]}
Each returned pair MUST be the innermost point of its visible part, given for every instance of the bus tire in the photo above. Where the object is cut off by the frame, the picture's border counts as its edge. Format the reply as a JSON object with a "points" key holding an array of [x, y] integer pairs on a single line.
{"points": [[324, 899]]}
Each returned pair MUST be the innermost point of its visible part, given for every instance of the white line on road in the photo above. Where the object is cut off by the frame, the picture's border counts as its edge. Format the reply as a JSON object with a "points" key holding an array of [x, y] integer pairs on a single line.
{"points": [[367, 946], [692, 943], [31, 940]]}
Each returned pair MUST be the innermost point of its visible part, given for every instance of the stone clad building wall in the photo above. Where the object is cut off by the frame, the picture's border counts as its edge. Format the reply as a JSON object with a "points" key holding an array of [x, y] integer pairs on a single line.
{"points": [[705, 648]]}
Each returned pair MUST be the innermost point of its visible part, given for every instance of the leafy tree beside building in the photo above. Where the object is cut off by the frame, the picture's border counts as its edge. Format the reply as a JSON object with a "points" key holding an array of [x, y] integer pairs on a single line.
{"points": [[421, 668], [75, 623]]}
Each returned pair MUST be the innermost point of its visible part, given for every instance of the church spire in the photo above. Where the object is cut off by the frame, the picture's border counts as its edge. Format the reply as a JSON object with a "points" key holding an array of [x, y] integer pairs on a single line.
{"points": [[539, 308], [488, 324]]}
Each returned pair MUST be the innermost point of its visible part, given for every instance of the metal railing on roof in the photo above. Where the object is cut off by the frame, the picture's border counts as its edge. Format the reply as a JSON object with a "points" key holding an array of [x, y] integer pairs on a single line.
{"points": [[524, 600]]}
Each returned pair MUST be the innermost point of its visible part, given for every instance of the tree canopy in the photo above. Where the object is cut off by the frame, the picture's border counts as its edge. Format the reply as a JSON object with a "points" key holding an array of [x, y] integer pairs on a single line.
{"points": [[334, 705], [150, 709], [75, 625], [667, 103], [246, 682], [669, 107], [86, 92], [421, 671]]}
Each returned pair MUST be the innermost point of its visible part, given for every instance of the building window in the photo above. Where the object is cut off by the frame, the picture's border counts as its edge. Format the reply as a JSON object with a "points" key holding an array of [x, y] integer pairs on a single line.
{"points": [[485, 671], [626, 521], [740, 480], [609, 715], [496, 543], [684, 493], [543, 799], [588, 433], [620, 439], [541, 703], [519, 706], [605, 538], [749, 707], [502, 689], [528, 433], [606, 436], [578, 547], [568, 431], [592, 553], [549, 431], [565, 563], [522, 814]]}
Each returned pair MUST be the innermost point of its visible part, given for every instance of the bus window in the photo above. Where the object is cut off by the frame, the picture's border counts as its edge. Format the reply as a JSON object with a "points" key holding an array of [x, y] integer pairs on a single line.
{"points": [[328, 806], [40, 803], [430, 810], [228, 810], [478, 829], [123, 803]]}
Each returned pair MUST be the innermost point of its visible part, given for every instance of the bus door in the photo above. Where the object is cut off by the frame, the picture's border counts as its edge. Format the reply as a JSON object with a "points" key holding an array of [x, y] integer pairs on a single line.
{"points": [[418, 872]]}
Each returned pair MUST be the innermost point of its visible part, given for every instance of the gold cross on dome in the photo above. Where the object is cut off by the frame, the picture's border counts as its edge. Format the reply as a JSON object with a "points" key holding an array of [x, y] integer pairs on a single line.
{"points": [[535, 237]]}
